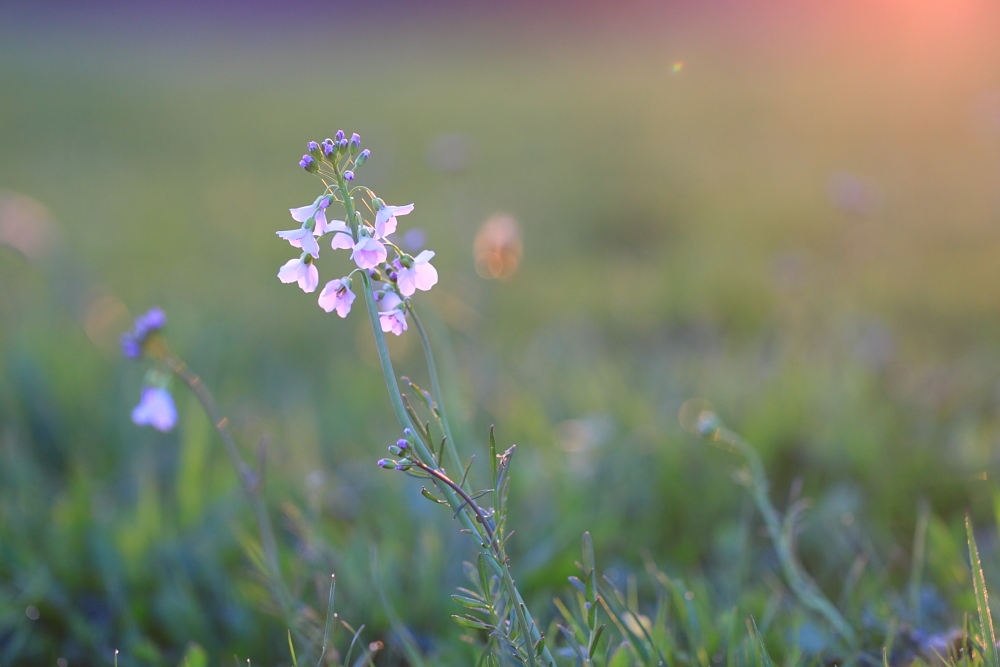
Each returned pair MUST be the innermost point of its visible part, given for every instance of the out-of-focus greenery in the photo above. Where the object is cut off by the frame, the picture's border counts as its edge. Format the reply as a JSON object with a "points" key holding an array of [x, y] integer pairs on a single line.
{"points": [[792, 214]]}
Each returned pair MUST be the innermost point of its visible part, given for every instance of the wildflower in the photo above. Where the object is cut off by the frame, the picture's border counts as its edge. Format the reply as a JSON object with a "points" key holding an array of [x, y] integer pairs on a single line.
{"points": [[416, 273], [301, 238], [132, 340], [392, 317], [355, 143], [309, 164], [361, 159], [385, 219], [156, 409], [368, 253], [315, 211], [337, 295], [342, 237], [300, 270]]}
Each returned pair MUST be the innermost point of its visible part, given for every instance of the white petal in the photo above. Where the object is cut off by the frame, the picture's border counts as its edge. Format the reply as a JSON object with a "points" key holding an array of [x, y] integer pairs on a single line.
{"points": [[405, 281], [426, 276], [309, 279], [425, 256], [303, 213], [289, 271]]}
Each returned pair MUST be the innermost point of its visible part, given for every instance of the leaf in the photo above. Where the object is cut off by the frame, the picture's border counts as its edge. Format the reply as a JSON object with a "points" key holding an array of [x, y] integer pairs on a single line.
{"points": [[493, 457], [987, 634], [471, 622], [473, 604], [588, 553], [595, 638]]}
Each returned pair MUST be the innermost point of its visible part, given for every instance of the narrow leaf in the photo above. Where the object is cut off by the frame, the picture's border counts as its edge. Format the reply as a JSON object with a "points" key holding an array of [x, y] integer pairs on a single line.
{"points": [[987, 634]]}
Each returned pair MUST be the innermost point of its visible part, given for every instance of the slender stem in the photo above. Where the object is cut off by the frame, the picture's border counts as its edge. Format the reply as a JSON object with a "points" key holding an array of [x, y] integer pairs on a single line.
{"points": [[798, 580], [436, 388], [528, 626], [249, 480]]}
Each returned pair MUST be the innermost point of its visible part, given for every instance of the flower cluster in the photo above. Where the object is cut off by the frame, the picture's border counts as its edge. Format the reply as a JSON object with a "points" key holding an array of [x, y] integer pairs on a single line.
{"points": [[335, 162], [144, 325], [156, 406]]}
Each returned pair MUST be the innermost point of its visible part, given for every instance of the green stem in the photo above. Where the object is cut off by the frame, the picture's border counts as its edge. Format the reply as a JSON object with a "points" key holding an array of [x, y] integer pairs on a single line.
{"points": [[528, 626], [799, 581], [436, 388], [249, 481]]}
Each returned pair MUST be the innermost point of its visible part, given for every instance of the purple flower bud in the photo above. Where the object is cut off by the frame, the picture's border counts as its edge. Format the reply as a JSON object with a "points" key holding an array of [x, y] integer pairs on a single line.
{"points": [[355, 143], [313, 148], [392, 276], [408, 432], [329, 149], [308, 164], [154, 319], [378, 296], [324, 202], [348, 175], [361, 159], [386, 463], [130, 346], [342, 144], [402, 443], [339, 135]]}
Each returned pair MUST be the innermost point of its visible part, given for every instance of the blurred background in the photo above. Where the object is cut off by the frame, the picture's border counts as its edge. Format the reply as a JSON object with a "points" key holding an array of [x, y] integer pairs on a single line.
{"points": [[791, 210]]}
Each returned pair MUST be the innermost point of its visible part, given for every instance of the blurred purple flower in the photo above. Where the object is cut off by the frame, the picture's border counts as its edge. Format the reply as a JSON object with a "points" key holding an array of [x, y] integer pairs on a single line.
{"points": [[156, 409], [132, 340]]}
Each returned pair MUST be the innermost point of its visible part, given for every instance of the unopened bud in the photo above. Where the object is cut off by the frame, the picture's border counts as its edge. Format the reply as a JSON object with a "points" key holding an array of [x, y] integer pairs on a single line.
{"points": [[348, 175], [361, 159], [309, 164], [339, 136], [386, 463], [313, 149], [342, 145], [402, 443]]}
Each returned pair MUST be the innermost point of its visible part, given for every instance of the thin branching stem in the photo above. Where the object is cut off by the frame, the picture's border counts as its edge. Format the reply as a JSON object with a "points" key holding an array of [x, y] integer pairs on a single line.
{"points": [[250, 481], [802, 585]]}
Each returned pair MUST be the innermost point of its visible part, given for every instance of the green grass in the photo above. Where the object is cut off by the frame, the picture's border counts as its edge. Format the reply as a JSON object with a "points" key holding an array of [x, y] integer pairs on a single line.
{"points": [[679, 242]]}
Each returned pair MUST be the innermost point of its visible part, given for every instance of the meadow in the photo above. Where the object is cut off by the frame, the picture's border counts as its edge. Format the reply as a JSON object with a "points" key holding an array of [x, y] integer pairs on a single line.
{"points": [[790, 213]]}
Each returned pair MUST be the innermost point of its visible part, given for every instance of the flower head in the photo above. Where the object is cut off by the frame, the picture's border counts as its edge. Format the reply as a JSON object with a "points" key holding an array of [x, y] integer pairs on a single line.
{"points": [[302, 271], [156, 409], [144, 325], [385, 219], [337, 295], [368, 253], [391, 315], [309, 164], [418, 275]]}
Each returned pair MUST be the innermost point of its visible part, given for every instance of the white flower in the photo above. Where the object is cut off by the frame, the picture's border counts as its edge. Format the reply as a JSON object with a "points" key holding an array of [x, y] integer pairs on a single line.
{"points": [[301, 238], [391, 316], [385, 219], [368, 253], [421, 275], [342, 237], [300, 271], [316, 210], [337, 295]]}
